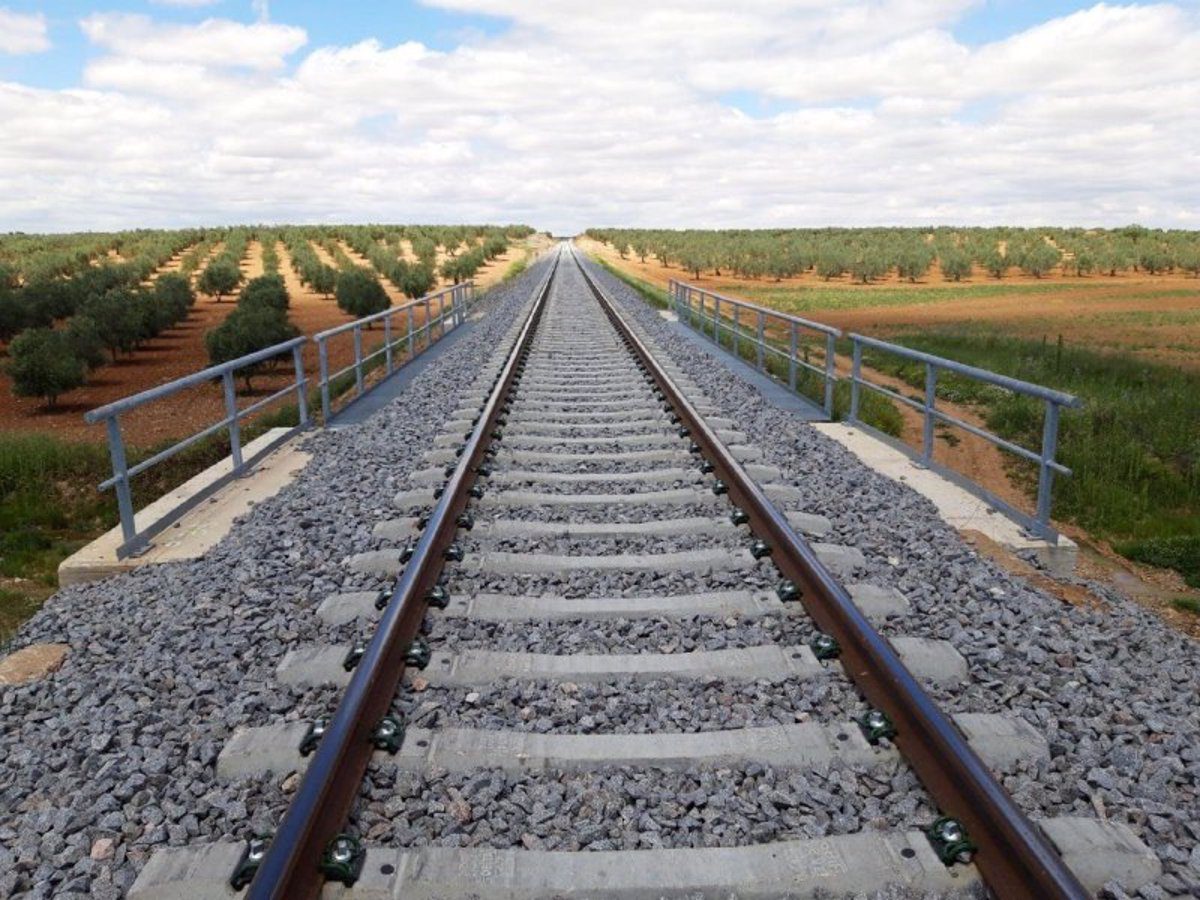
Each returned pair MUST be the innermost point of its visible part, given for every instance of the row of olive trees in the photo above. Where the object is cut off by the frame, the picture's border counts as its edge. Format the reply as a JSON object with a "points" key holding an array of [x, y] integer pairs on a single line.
{"points": [[259, 321], [871, 253], [47, 362], [223, 273]]}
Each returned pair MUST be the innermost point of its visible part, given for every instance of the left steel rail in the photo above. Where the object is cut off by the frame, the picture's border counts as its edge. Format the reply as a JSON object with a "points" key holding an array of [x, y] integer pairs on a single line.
{"points": [[290, 870]]}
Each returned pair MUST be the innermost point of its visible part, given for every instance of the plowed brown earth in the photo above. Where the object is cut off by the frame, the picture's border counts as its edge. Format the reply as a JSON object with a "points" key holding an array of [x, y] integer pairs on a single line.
{"points": [[174, 354], [1156, 317]]}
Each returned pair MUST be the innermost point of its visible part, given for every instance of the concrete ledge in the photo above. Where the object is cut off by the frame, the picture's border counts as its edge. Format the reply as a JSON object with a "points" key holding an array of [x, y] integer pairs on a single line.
{"points": [[199, 529], [956, 506]]}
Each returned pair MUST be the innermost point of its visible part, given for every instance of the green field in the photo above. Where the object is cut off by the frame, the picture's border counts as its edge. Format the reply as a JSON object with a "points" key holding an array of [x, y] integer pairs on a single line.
{"points": [[1134, 448]]}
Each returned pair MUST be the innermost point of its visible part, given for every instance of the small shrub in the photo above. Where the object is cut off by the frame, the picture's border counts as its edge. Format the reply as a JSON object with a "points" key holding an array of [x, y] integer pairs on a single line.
{"points": [[1187, 604], [1180, 553]]}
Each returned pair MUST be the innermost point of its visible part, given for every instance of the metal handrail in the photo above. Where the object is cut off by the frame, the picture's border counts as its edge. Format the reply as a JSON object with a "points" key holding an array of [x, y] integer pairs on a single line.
{"points": [[452, 303], [692, 305], [1054, 400], [110, 414]]}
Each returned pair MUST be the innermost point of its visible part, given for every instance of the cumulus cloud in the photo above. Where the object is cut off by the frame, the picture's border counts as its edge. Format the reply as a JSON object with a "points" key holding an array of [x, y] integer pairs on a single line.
{"points": [[215, 42], [22, 33], [679, 112]]}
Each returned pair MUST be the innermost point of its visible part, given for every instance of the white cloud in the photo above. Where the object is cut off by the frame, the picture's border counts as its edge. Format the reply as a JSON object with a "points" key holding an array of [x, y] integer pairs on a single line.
{"points": [[214, 42], [185, 3], [874, 112], [22, 33]]}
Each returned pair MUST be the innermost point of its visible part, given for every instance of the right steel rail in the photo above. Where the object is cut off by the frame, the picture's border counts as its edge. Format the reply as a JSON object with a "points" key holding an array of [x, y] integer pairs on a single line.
{"points": [[1014, 857]]}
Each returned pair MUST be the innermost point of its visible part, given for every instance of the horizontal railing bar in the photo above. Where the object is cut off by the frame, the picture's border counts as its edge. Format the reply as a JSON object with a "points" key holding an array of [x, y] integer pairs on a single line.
{"points": [[1015, 385], [383, 314], [783, 317], [915, 404], [204, 375], [770, 348], [1000, 442], [167, 453], [259, 404], [1017, 449]]}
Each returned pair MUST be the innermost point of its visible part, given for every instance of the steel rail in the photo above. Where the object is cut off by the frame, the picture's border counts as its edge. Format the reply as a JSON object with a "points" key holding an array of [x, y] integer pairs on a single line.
{"points": [[333, 782], [1014, 857]]}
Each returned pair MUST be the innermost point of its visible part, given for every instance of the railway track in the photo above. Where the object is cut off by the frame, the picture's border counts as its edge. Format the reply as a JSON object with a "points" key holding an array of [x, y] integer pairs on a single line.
{"points": [[593, 536]]}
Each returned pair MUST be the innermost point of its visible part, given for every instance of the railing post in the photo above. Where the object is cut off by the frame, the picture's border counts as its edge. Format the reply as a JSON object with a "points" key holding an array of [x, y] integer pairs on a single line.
{"points": [[358, 359], [830, 371], [387, 342], [412, 351], [323, 362], [716, 320], [301, 384], [855, 374], [442, 314], [235, 428], [793, 340], [428, 326], [737, 332], [760, 336], [1045, 473], [931, 376], [116, 450]]}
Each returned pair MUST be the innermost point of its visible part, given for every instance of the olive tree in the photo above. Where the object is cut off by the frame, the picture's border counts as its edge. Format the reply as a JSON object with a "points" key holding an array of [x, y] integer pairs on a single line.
{"points": [[266, 290], [244, 331], [359, 293], [42, 363], [83, 334], [955, 264], [220, 277], [418, 281]]}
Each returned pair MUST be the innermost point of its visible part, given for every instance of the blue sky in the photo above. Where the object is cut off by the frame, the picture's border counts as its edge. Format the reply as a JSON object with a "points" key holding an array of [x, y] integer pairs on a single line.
{"points": [[326, 23], [396, 21], [679, 112]]}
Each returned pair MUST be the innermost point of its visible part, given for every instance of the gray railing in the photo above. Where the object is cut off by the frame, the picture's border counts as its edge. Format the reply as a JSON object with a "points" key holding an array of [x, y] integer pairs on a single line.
{"points": [[411, 338], [135, 540], [1054, 401], [711, 313]]}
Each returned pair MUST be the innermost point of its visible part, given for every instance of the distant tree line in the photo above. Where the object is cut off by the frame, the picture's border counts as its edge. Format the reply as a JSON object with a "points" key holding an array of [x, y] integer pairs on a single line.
{"points": [[867, 255]]}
